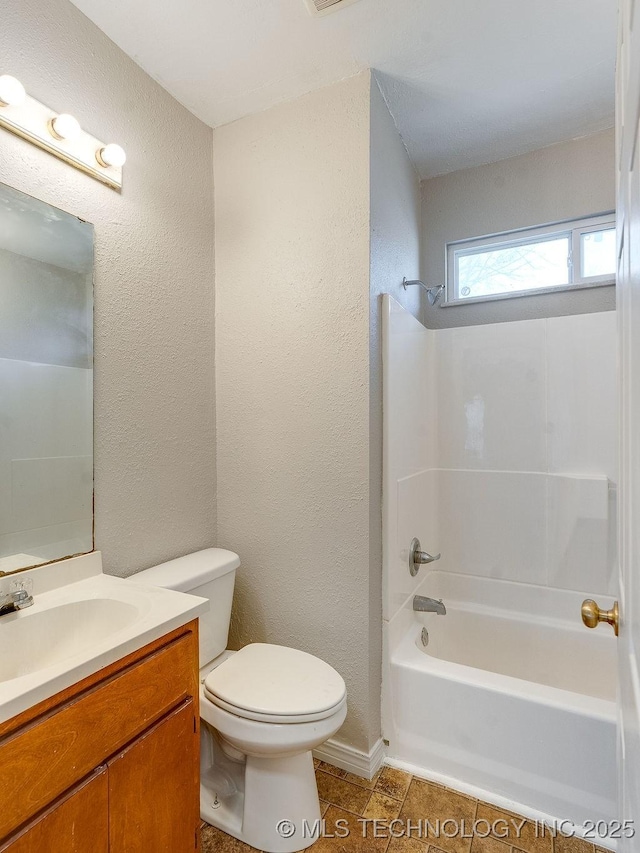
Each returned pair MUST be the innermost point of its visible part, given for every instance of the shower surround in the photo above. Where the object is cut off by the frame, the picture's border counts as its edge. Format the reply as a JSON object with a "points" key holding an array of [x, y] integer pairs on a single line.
{"points": [[500, 453]]}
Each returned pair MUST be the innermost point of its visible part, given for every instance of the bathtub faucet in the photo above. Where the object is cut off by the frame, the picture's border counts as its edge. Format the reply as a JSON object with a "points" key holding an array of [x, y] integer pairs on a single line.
{"points": [[428, 605]]}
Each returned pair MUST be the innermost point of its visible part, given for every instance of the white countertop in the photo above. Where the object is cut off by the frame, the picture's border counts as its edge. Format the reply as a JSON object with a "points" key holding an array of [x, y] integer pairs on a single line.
{"points": [[81, 621]]}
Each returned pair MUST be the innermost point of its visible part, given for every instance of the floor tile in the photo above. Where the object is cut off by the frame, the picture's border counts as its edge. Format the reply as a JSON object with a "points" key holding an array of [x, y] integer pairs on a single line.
{"points": [[394, 795], [562, 844], [359, 780], [408, 845], [332, 789], [393, 782], [212, 840], [330, 768], [350, 835], [426, 802], [349, 777], [523, 834], [381, 807], [488, 845]]}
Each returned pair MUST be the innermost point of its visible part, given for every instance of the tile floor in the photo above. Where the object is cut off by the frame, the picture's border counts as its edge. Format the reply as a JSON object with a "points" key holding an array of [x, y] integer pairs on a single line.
{"points": [[351, 804]]}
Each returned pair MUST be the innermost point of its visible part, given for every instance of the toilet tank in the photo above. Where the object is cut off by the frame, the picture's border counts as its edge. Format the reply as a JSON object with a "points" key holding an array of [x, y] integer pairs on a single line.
{"points": [[210, 574]]}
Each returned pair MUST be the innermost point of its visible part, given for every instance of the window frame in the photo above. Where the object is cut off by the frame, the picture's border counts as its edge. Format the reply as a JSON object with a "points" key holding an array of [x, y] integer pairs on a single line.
{"points": [[573, 229]]}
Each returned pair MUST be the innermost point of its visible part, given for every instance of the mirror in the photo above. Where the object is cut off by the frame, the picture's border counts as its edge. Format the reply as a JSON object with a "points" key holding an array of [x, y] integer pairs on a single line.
{"points": [[46, 383]]}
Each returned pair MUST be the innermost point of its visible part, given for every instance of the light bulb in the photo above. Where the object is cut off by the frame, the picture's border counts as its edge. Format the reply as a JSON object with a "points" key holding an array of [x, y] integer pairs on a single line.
{"points": [[12, 93], [111, 155], [65, 126]]}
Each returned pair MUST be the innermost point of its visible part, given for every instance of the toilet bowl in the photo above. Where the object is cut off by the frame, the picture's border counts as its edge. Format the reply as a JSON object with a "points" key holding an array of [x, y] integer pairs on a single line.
{"points": [[263, 709]]}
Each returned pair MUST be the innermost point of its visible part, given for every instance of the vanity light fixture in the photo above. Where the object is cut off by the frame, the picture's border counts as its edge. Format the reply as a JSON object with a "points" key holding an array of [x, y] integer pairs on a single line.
{"points": [[12, 93], [59, 134], [65, 126], [111, 155]]}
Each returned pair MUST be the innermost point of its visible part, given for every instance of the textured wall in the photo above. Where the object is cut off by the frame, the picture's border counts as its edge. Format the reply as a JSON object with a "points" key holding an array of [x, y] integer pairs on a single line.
{"points": [[292, 368], [561, 182], [154, 380]]}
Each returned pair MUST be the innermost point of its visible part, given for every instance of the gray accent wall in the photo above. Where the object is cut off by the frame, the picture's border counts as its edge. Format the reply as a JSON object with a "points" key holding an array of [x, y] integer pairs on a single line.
{"points": [[565, 181]]}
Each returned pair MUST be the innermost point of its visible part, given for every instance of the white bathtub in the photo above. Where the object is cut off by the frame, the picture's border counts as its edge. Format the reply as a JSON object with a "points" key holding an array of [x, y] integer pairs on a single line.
{"points": [[512, 700]]}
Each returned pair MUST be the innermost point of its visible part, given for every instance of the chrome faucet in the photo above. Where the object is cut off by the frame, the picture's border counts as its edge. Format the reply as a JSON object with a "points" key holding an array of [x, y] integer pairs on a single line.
{"points": [[428, 605], [17, 599]]}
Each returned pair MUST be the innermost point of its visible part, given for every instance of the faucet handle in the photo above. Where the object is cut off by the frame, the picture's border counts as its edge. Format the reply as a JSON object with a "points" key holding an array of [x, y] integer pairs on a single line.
{"points": [[21, 592], [418, 557]]}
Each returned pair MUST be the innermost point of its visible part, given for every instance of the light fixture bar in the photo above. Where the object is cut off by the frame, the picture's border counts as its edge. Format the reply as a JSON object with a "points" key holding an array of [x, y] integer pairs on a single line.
{"points": [[35, 122]]}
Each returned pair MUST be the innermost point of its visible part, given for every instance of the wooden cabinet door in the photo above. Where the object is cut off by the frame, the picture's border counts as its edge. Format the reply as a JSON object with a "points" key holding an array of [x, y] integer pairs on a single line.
{"points": [[77, 823], [154, 790], [84, 732]]}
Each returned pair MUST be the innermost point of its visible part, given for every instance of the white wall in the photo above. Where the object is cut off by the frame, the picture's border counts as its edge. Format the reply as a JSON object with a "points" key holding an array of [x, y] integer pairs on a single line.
{"points": [[154, 389], [564, 181], [317, 211], [292, 367]]}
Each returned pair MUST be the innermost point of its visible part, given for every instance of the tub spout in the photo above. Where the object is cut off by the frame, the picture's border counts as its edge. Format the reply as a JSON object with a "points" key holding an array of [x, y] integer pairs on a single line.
{"points": [[429, 605]]}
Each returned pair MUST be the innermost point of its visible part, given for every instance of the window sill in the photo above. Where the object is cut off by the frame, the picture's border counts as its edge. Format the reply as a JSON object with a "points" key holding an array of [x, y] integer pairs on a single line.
{"points": [[543, 291]]}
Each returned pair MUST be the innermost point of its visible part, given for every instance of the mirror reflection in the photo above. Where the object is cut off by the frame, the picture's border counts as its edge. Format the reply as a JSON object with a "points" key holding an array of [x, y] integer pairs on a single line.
{"points": [[46, 383]]}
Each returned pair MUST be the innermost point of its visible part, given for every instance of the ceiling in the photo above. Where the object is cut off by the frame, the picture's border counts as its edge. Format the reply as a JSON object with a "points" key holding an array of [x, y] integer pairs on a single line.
{"points": [[468, 82]]}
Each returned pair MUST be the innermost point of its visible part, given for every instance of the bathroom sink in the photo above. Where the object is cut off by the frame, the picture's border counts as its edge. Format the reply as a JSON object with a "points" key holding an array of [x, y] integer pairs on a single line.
{"points": [[80, 622], [43, 638]]}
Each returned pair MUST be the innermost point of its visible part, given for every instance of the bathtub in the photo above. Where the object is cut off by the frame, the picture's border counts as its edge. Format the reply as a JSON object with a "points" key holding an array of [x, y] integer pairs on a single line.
{"points": [[511, 700]]}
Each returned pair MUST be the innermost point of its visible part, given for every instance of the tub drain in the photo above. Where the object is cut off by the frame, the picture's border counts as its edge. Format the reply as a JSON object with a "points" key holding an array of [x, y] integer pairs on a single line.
{"points": [[424, 637]]}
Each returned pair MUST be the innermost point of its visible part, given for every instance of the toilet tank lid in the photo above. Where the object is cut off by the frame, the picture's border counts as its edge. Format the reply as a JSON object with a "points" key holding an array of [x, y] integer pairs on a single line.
{"points": [[191, 571]]}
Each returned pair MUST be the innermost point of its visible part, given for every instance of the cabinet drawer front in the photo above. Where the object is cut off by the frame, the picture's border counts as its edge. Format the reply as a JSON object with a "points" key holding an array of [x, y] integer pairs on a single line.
{"points": [[41, 761]]}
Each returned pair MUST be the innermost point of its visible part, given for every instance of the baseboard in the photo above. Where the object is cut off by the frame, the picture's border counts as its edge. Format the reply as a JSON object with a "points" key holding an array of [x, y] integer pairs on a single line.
{"points": [[365, 764]]}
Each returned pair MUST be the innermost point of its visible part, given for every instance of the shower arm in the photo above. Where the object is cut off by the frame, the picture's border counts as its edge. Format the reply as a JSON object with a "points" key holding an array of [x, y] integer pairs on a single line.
{"points": [[406, 284], [433, 293]]}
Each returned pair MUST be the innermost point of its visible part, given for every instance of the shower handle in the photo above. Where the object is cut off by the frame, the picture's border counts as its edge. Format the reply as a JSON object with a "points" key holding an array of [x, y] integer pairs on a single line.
{"points": [[418, 557]]}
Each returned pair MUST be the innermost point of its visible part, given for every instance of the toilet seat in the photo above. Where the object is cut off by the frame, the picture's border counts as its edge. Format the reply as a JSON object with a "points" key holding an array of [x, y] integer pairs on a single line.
{"points": [[273, 718], [275, 684]]}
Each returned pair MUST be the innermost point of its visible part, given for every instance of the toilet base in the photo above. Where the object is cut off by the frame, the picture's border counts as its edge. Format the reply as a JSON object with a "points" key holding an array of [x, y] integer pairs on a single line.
{"points": [[274, 806]]}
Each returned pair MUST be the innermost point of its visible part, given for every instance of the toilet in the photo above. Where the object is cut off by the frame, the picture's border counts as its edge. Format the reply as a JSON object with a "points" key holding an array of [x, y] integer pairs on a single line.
{"points": [[262, 709]]}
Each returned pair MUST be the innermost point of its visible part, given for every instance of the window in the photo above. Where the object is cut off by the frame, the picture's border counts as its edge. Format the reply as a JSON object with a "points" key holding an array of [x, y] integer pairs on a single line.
{"points": [[564, 256]]}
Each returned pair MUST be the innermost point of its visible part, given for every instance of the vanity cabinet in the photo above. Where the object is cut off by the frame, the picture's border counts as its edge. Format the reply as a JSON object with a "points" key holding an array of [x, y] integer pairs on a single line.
{"points": [[110, 764]]}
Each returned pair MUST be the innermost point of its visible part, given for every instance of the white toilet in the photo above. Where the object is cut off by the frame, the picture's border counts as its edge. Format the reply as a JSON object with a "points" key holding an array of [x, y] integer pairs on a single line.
{"points": [[263, 709]]}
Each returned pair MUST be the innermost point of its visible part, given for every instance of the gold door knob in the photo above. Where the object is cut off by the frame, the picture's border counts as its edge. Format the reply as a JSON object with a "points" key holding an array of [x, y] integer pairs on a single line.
{"points": [[592, 615]]}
